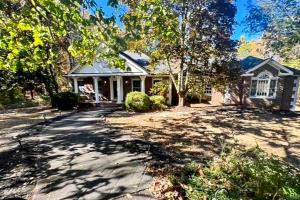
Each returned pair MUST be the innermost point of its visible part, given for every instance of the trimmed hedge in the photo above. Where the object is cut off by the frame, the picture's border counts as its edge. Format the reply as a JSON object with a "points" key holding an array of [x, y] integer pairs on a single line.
{"points": [[137, 101], [158, 102], [65, 100]]}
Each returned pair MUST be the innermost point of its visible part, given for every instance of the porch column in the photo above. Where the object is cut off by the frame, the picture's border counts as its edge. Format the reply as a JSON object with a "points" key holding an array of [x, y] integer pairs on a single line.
{"points": [[143, 83], [170, 92], [75, 85], [122, 90], [96, 89], [111, 87], [119, 89]]}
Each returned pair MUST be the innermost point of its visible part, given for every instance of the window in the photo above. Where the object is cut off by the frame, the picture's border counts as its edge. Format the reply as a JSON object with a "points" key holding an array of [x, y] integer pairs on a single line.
{"points": [[136, 85], [208, 90], [128, 69], [263, 86], [154, 81]]}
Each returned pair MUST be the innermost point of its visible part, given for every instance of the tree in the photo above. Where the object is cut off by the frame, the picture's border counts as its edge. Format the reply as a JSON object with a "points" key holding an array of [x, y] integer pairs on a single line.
{"points": [[191, 37], [251, 48], [38, 34], [279, 21]]}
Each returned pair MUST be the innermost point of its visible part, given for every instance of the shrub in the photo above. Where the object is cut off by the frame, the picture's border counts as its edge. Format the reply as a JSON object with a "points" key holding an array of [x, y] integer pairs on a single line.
{"points": [[137, 101], [160, 88], [13, 96], [250, 174], [158, 102], [64, 100]]}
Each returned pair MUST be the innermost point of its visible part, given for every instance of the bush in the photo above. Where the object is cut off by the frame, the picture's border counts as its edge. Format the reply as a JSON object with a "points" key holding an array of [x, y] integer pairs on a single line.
{"points": [[13, 96], [137, 101], [158, 102], [160, 88], [248, 174], [64, 100]]}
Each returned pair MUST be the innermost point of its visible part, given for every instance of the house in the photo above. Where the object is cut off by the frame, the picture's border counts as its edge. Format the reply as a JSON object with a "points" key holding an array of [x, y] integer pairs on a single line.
{"points": [[113, 84], [263, 83]]}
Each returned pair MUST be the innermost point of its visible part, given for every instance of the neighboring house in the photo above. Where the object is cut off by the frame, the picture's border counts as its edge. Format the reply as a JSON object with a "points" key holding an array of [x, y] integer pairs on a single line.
{"points": [[263, 83], [113, 84]]}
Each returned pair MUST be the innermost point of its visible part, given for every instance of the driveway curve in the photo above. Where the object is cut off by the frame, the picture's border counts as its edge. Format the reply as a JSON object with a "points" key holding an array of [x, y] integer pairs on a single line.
{"points": [[84, 158]]}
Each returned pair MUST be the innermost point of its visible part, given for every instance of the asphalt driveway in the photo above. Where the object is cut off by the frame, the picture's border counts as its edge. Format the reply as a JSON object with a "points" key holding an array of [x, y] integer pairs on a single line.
{"points": [[84, 158]]}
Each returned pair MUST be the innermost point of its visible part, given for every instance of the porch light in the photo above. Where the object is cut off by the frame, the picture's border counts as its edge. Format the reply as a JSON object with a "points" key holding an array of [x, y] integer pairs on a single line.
{"points": [[104, 82], [126, 82]]}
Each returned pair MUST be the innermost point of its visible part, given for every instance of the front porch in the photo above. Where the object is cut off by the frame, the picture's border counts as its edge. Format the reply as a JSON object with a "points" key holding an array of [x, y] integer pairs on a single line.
{"points": [[113, 89], [107, 88]]}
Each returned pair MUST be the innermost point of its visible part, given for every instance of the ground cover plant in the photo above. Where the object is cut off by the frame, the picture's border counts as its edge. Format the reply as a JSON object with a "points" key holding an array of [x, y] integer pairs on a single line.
{"points": [[240, 174]]}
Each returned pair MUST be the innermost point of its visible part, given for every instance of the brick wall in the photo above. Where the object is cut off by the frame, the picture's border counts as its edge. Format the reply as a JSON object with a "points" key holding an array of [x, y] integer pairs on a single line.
{"points": [[283, 94]]}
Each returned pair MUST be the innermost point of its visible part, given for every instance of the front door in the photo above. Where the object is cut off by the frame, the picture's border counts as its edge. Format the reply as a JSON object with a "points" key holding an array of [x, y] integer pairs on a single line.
{"points": [[115, 89]]}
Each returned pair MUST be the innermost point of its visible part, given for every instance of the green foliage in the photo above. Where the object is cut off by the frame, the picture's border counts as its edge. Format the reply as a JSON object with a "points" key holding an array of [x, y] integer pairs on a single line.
{"points": [[42, 39], [65, 100], [185, 36], [36, 33], [250, 174], [137, 101], [278, 20], [160, 88], [11, 96], [254, 48], [158, 102]]}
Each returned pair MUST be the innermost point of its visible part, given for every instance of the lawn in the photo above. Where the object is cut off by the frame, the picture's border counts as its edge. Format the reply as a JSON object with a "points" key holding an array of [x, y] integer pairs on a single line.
{"points": [[201, 133]]}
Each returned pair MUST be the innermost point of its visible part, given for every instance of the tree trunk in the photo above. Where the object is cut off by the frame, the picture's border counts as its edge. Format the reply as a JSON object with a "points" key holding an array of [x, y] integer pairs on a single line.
{"points": [[31, 94], [53, 79], [181, 101]]}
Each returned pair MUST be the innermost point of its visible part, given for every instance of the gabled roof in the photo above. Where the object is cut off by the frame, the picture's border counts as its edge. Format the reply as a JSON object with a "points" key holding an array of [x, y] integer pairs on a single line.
{"points": [[139, 58], [143, 61], [296, 71], [251, 63], [97, 68], [139, 64]]}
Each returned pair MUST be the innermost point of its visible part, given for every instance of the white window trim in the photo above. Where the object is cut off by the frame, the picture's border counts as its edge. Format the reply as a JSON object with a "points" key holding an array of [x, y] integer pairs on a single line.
{"points": [[135, 79], [269, 82], [208, 94]]}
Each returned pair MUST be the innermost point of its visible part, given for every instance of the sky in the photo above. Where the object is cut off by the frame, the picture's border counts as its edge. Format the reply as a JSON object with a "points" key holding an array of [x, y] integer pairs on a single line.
{"points": [[239, 27]]}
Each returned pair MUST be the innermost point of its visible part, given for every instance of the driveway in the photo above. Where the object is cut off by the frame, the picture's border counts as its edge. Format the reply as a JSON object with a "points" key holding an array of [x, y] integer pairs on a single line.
{"points": [[84, 158]]}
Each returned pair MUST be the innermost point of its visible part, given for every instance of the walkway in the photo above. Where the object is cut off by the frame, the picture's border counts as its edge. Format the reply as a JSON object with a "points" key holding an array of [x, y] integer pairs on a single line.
{"points": [[86, 159]]}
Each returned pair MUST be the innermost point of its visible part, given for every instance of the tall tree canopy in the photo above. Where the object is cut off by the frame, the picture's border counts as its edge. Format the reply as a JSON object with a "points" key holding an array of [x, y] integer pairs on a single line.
{"points": [[40, 35], [251, 48], [192, 37], [279, 21]]}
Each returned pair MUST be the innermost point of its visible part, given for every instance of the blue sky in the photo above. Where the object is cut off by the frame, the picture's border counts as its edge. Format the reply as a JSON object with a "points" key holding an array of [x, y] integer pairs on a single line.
{"points": [[239, 28]]}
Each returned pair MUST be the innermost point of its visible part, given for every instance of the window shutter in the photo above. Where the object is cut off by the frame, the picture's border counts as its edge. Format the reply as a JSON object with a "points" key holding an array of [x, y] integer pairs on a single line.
{"points": [[272, 89], [253, 87]]}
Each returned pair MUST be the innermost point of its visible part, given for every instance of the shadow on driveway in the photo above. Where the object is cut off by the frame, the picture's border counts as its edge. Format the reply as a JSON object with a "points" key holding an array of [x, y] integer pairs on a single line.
{"points": [[83, 158]]}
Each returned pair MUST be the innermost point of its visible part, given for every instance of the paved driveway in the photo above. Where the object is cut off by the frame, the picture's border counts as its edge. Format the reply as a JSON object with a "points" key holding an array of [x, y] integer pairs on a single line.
{"points": [[86, 159]]}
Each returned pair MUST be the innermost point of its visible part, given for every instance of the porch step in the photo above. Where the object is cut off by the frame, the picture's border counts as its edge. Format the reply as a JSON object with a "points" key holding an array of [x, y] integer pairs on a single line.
{"points": [[101, 105]]}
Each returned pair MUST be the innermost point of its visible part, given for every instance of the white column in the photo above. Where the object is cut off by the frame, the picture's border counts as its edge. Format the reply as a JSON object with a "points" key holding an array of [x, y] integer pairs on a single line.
{"points": [[122, 92], [119, 98], [96, 89], [170, 92], [143, 83], [75, 85], [111, 86], [293, 103]]}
